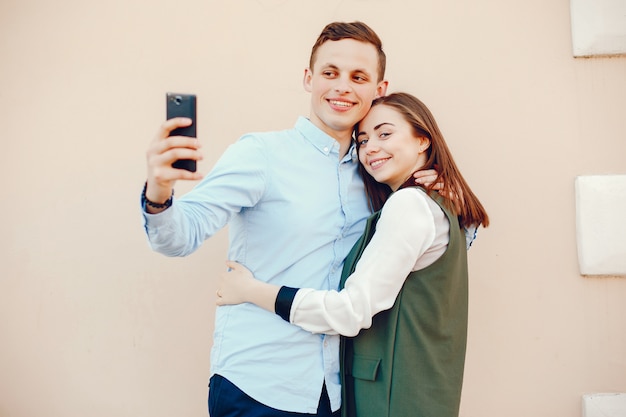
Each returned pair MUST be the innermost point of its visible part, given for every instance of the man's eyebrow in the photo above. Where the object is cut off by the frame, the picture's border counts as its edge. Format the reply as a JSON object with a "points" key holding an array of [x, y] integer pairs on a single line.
{"points": [[363, 70], [328, 65]]}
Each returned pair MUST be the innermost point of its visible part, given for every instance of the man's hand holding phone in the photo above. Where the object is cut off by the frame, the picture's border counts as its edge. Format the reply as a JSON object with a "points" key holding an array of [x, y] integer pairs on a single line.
{"points": [[172, 158]]}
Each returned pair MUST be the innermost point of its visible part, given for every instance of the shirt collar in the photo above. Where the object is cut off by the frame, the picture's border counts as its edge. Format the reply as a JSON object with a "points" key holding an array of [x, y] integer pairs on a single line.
{"points": [[323, 142], [353, 153]]}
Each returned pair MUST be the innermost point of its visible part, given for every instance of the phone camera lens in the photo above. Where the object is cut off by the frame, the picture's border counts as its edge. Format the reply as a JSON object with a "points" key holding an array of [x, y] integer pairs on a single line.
{"points": [[178, 100]]}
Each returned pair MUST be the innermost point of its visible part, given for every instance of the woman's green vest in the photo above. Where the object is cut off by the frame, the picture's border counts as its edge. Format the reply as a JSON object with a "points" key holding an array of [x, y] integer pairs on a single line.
{"points": [[410, 362]]}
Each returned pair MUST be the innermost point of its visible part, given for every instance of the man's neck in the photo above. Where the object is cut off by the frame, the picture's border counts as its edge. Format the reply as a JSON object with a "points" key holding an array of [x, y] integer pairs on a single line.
{"points": [[344, 146], [344, 138]]}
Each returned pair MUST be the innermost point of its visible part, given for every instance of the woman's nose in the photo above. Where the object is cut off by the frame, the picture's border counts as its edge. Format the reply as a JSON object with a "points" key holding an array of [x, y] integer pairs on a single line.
{"points": [[372, 147]]}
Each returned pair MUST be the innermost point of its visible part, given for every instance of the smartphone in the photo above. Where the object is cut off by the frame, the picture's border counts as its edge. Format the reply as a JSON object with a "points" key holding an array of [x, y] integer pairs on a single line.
{"points": [[182, 105]]}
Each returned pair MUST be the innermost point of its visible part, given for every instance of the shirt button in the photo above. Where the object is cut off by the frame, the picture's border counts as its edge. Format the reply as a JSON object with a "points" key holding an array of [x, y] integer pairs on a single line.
{"points": [[326, 149], [325, 344]]}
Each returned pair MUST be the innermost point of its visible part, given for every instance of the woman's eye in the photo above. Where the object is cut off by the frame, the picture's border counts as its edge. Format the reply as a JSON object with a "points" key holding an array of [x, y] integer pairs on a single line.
{"points": [[384, 134], [363, 142]]}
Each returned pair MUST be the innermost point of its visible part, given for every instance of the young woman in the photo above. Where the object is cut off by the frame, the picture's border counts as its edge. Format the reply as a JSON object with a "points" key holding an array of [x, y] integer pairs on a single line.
{"points": [[403, 305]]}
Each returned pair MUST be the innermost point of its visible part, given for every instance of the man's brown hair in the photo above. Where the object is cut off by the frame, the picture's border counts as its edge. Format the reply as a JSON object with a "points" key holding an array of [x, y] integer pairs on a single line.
{"points": [[358, 31]]}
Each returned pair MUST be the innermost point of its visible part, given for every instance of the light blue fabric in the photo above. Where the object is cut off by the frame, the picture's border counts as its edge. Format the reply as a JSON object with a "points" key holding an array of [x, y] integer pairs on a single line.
{"points": [[294, 211]]}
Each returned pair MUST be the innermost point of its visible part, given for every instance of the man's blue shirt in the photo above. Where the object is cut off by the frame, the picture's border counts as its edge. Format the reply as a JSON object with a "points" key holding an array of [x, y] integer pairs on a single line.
{"points": [[294, 211]]}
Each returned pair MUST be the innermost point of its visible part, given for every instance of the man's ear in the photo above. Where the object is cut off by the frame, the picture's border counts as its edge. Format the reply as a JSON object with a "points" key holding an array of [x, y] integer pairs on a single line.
{"points": [[307, 80], [381, 90]]}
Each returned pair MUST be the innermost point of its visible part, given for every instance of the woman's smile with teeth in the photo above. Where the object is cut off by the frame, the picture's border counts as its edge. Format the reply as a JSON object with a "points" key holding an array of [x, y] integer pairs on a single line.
{"points": [[378, 162]]}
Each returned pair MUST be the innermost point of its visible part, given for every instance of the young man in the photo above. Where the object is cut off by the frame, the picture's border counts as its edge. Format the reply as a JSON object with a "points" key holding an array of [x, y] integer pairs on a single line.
{"points": [[295, 205]]}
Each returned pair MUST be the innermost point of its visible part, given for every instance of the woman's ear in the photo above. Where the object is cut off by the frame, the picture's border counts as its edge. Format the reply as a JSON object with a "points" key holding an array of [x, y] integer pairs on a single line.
{"points": [[424, 143]]}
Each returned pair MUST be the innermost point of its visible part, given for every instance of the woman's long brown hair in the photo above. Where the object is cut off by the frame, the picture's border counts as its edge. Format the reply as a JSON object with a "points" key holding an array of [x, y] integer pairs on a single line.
{"points": [[472, 212]]}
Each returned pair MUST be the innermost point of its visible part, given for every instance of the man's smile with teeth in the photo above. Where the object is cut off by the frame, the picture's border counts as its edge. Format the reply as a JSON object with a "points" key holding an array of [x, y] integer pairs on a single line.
{"points": [[340, 103]]}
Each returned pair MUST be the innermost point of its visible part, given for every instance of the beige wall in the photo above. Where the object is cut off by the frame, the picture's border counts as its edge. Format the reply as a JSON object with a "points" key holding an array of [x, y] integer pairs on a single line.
{"points": [[92, 323]]}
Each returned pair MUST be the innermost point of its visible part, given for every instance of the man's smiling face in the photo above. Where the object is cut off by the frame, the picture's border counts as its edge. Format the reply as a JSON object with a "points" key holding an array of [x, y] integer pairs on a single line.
{"points": [[343, 82]]}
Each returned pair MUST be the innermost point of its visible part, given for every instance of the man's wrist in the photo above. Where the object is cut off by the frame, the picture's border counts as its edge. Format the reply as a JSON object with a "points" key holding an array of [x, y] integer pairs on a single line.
{"points": [[148, 203]]}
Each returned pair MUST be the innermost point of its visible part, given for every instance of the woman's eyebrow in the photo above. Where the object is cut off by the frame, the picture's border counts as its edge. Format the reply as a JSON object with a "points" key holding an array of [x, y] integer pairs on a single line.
{"points": [[378, 126]]}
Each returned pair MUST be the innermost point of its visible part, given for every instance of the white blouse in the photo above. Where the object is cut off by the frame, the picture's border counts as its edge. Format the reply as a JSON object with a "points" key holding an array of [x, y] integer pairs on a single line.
{"points": [[412, 233]]}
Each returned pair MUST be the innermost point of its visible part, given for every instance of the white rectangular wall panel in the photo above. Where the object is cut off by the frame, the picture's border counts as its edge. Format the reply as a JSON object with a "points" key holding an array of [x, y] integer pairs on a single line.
{"points": [[601, 224], [598, 27], [604, 405]]}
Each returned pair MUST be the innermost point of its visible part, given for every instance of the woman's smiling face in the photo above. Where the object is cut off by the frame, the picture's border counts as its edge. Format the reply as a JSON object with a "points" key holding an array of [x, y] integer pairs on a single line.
{"points": [[388, 147]]}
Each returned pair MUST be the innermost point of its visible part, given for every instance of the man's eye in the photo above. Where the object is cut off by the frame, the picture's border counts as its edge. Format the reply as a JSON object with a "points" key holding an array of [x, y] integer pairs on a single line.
{"points": [[329, 74]]}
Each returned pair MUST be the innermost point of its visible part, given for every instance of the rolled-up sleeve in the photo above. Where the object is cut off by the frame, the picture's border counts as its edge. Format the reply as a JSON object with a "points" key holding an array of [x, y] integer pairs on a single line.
{"points": [[237, 181]]}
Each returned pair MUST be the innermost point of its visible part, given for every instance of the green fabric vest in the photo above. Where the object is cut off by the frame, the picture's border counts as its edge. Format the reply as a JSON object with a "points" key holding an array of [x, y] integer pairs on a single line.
{"points": [[410, 362]]}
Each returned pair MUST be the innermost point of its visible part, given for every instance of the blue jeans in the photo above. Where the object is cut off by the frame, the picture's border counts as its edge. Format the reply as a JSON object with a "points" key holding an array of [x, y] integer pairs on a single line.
{"points": [[226, 400]]}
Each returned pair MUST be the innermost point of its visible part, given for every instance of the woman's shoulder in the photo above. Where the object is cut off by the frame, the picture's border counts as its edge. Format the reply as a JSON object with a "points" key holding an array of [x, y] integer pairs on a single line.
{"points": [[408, 195], [407, 199], [412, 200]]}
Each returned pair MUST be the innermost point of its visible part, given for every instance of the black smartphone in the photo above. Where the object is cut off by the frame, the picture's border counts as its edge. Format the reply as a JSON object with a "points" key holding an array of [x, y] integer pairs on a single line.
{"points": [[182, 105]]}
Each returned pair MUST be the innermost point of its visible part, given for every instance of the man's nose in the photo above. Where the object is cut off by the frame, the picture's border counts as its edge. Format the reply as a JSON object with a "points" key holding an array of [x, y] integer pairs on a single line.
{"points": [[343, 85]]}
